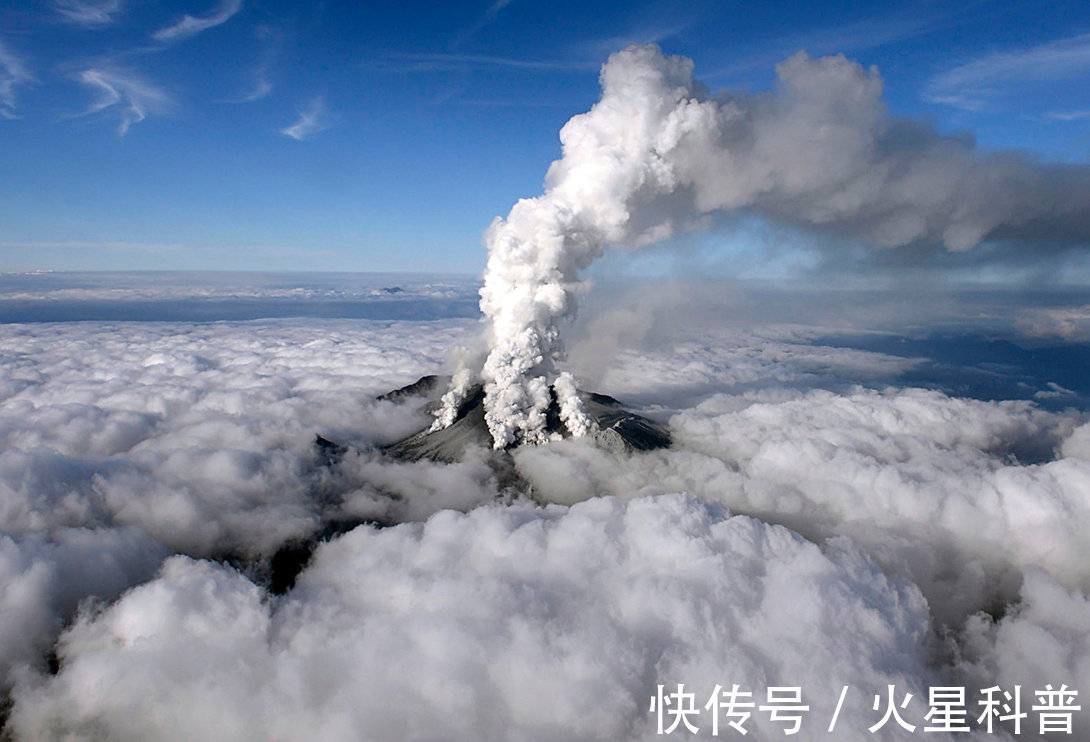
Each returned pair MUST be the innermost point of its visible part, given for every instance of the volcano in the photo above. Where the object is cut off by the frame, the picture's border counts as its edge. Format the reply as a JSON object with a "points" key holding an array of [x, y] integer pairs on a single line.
{"points": [[615, 428]]}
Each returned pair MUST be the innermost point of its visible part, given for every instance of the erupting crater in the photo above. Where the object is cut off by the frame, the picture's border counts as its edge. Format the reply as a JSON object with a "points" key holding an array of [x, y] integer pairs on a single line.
{"points": [[613, 427]]}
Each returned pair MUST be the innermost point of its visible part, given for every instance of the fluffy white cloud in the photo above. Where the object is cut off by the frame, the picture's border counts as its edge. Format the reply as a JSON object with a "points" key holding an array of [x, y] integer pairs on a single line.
{"points": [[930, 485], [120, 443], [202, 435], [1070, 323], [42, 581], [506, 623], [123, 442], [1042, 641]]}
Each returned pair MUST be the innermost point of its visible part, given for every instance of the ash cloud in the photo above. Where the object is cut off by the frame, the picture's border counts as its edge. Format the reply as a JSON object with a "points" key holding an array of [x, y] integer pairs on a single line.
{"points": [[820, 152]]}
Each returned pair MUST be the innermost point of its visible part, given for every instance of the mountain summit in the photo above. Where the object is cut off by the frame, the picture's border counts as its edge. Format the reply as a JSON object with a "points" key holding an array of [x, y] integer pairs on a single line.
{"points": [[614, 427]]}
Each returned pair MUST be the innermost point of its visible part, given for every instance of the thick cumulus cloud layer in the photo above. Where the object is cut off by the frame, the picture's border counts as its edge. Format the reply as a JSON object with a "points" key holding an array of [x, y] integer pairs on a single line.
{"points": [[200, 435], [930, 485], [126, 442], [1044, 641], [962, 495], [506, 623], [820, 152], [43, 580], [122, 443]]}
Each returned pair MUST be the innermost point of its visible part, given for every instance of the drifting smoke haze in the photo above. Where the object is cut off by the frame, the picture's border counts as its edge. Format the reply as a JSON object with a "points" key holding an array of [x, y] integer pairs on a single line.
{"points": [[658, 151]]}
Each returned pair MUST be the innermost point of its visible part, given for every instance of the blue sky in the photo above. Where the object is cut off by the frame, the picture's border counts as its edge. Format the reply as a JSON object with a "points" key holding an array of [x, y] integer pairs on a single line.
{"points": [[386, 136]]}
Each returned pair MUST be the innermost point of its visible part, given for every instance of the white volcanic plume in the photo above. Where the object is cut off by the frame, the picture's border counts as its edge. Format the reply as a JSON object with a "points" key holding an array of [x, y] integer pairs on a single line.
{"points": [[657, 151], [611, 157]]}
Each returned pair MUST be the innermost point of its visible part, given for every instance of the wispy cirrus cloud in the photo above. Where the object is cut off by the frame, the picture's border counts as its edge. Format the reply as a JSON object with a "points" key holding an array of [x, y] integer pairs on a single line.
{"points": [[261, 88], [971, 86], [90, 245], [133, 96], [261, 83], [190, 25], [313, 119], [866, 33], [13, 73], [437, 62], [1067, 115], [463, 64], [88, 13], [488, 17], [496, 7], [597, 50]]}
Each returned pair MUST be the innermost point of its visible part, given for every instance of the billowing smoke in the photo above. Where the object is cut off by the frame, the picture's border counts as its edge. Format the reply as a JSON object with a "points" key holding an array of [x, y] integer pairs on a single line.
{"points": [[658, 153]]}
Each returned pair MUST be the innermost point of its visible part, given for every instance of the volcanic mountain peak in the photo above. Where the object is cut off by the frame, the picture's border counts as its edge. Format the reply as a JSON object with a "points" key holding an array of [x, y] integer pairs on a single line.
{"points": [[615, 428]]}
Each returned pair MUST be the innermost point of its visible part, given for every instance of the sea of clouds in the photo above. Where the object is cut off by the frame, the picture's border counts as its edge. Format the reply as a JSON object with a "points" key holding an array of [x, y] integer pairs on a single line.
{"points": [[819, 522]]}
